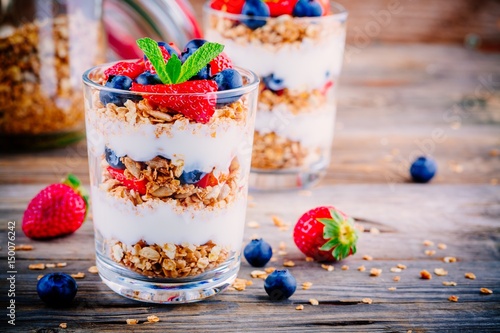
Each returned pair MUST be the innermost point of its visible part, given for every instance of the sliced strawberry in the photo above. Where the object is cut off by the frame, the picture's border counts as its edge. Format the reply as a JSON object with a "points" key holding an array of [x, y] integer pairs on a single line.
{"points": [[208, 180], [175, 48], [138, 185], [230, 6], [220, 63], [194, 99], [325, 4], [130, 69], [280, 7], [147, 64]]}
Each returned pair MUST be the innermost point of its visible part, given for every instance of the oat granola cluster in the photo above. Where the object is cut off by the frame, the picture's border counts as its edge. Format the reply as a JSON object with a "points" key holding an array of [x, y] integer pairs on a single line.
{"points": [[41, 66]]}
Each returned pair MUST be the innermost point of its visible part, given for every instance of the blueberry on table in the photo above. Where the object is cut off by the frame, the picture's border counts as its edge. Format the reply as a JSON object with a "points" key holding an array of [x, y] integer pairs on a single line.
{"points": [[280, 285], [307, 8], [147, 78], [258, 252], [120, 82], [226, 80], [423, 169], [191, 177], [57, 289], [273, 83], [112, 159], [255, 8]]}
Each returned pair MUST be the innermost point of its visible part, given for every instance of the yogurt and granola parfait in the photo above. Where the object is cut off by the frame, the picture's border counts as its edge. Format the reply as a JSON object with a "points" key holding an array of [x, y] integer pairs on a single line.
{"points": [[296, 48], [169, 142]]}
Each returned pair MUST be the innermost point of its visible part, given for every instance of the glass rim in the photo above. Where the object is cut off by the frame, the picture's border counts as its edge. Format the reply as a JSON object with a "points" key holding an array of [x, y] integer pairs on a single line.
{"points": [[251, 85], [340, 14]]}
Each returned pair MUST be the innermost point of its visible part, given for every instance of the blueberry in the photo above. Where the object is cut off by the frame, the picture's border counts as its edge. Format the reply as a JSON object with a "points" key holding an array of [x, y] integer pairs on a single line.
{"points": [[258, 252], [190, 47], [280, 285], [113, 160], [423, 169], [147, 78], [191, 177], [309, 8], [255, 8], [169, 48], [57, 289], [226, 80], [273, 83], [118, 82], [203, 74]]}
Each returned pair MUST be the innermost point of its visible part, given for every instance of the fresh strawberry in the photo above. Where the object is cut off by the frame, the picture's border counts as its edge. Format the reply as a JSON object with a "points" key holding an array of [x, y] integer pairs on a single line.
{"points": [[129, 69], [220, 63], [325, 234], [57, 210], [191, 98], [147, 64], [208, 180], [280, 7], [230, 6], [138, 185], [326, 87], [325, 4]]}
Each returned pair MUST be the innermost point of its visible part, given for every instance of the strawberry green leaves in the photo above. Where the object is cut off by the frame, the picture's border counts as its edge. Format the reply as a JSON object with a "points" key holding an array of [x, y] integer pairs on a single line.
{"points": [[341, 235], [173, 71]]}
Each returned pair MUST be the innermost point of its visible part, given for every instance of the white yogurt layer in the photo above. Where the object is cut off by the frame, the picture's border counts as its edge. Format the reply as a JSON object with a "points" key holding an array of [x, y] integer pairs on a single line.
{"points": [[302, 66], [158, 222], [312, 129]]}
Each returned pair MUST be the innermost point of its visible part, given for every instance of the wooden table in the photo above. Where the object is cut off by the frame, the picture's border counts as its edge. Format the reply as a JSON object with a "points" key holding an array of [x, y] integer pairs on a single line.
{"points": [[394, 101]]}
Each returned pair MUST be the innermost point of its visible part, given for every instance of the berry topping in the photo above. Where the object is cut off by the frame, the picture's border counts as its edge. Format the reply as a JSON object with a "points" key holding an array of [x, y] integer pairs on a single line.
{"points": [[112, 159], [117, 82], [59, 209], [129, 69], [325, 234], [148, 78], [258, 252], [220, 63], [280, 7], [191, 177], [280, 285], [273, 83], [423, 169], [191, 47], [192, 98], [226, 80], [325, 4], [230, 6], [138, 185], [208, 180], [309, 8], [171, 48], [255, 8], [166, 52], [57, 289]]}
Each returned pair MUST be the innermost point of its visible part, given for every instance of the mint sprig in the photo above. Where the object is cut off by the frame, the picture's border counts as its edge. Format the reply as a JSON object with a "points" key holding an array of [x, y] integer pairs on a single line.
{"points": [[173, 71]]}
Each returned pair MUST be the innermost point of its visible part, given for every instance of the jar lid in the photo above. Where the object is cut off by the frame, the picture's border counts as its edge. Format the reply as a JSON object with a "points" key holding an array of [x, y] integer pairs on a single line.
{"points": [[127, 20]]}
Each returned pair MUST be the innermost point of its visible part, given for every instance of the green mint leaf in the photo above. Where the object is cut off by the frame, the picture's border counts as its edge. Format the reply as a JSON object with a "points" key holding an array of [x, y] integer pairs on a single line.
{"points": [[153, 53], [199, 59], [174, 67]]}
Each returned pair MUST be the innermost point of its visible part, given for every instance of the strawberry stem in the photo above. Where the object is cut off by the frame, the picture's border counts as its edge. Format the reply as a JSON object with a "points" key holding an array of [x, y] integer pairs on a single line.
{"points": [[341, 235], [72, 181]]}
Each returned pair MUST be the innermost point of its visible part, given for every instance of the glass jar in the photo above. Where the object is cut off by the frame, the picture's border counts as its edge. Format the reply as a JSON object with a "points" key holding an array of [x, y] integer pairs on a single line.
{"points": [[45, 46]]}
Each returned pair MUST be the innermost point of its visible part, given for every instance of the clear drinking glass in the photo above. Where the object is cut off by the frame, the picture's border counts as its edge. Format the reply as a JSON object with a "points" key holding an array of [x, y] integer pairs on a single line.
{"points": [[168, 194], [298, 60]]}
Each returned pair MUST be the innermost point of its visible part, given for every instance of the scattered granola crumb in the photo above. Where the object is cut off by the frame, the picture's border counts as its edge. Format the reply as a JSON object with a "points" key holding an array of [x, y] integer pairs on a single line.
{"points": [[344, 267], [401, 266], [253, 224], [61, 264], [273, 259], [430, 252], [329, 268], [396, 278], [306, 285], [278, 222], [428, 243], [391, 288], [367, 257], [440, 272], [424, 274], [396, 269], [453, 298], [494, 152], [132, 321], [284, 228], [282, 253], [93, 270], [269, 270], [375, 271], [367, 300], [486, 291], [470, 275], [50, 265], [288, 263], [79, 275], [361, 268], [449, 283], [39, 277], [23, 247], [313, 301], [39, 266], [282, 246], [374, 231], [258, 274], [299, 307], [63, 325], [442, 246], [240, 284], [309, 259], [153, 319], [449, 259]]}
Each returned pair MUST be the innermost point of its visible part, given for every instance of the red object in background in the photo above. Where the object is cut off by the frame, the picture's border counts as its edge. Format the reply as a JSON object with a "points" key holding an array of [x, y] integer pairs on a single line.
{"points": [[280, 7], [230, 6]]}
